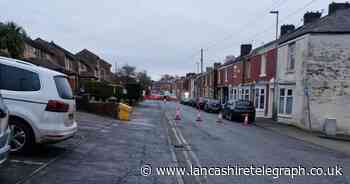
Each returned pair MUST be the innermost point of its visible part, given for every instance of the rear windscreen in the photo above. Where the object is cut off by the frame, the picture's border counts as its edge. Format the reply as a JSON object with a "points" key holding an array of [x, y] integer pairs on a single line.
{"points": [[243, 104], [63, 88]]}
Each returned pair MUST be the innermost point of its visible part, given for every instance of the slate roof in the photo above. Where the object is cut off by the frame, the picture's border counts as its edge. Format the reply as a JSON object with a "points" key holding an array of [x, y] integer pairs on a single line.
{"points": [[46, 63], [338, 22], [88, 58], [66, 52], [39, 45]]}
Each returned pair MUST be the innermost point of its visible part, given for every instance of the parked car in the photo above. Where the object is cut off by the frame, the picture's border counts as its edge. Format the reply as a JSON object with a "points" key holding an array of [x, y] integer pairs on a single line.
{"points": [[185, 101], [201, 102], [40, 102], [212, 106], [192, 102], [236, 110], [4, 132]]}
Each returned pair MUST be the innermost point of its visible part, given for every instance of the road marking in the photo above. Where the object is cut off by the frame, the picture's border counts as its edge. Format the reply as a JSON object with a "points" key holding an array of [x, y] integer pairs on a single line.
{"points": [[179, 137], [178, 177], [142, 124], [27, 162]]}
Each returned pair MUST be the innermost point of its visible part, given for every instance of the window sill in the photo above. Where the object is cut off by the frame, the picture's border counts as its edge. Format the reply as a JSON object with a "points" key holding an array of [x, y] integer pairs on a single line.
{"points": [[262, 75], [288, 116], [290, 71]]}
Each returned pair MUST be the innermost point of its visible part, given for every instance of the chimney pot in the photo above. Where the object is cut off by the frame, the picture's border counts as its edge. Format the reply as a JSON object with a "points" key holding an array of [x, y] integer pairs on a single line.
{"points": [[333, 7], [310, 17], [286, 29]]}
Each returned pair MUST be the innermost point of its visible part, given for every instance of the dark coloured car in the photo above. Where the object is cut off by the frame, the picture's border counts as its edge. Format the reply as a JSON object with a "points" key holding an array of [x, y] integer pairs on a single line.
{"points": [[185, 101], [201, 102], [236, 110], [212, 106], [192, 102]]}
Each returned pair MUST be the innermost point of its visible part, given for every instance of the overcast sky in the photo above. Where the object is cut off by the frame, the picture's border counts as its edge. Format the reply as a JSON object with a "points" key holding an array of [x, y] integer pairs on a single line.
{"points": [[159, 36]]}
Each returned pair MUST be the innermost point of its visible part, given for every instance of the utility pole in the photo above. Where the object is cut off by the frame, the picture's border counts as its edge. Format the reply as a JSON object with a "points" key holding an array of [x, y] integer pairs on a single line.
{"points": [[275, 85], [116, 67], [201, 60]]}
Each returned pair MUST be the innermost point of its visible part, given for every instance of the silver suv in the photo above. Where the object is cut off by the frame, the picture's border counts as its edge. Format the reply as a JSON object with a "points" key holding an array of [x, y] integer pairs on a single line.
{"points": [[4, 132]]}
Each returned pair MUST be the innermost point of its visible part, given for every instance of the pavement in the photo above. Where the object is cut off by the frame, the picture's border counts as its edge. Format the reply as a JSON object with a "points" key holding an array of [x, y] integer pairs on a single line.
{"points": [[338, 144], [109, 151]]}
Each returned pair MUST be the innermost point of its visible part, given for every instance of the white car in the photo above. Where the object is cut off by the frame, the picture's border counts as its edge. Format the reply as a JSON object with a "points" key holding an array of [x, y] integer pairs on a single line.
{"points": [[4, 132], [40, 102]]}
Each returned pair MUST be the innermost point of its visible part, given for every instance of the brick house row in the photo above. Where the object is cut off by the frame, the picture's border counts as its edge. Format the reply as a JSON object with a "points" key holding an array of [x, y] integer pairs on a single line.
{"points": [[305, 73], [81, 66]]}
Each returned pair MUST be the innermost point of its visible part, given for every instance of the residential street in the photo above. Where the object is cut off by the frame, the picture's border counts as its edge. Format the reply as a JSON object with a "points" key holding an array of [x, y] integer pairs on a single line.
{"points": [[112, 152]]}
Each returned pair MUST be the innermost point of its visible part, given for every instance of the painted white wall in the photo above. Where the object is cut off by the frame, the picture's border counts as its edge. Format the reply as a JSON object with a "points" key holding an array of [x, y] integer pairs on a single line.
{"points": [[323, 66], [293, 80], [328, 74]]}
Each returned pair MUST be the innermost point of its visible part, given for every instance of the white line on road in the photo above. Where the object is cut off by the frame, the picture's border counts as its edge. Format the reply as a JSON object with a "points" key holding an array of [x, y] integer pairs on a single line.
{"points": [[181, 139], [27, 162]]}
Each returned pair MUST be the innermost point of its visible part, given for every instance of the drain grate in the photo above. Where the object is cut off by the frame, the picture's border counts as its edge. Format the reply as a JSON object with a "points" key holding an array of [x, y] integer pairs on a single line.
{"points": [[179, 146]]}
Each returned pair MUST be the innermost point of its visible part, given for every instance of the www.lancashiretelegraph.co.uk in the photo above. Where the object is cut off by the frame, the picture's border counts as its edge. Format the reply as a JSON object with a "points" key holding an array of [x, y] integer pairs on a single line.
{"points": [[274, 172]]}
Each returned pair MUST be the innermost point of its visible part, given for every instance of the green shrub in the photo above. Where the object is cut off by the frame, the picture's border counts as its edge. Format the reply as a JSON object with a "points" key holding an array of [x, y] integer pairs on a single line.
{"points": [[99, 90]]}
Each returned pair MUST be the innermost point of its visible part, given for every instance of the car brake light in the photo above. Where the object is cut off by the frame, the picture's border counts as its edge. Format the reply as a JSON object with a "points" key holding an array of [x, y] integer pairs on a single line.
{"points": [[57, 106]]}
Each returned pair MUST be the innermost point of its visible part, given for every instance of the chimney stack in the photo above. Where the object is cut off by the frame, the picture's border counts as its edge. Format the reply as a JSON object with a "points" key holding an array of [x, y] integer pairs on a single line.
{"points": [[246, 49], [286, 29], [333, 7], [310, 17], [217, 65], [208, 69]]}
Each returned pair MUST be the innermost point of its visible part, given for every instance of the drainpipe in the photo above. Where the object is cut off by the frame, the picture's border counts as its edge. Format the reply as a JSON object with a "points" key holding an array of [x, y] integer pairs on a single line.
{"points": [[307, 95]]}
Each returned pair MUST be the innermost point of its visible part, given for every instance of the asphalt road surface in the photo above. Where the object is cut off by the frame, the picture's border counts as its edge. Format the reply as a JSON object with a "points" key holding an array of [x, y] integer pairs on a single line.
{"points": [[107, 151], [233, 144]]}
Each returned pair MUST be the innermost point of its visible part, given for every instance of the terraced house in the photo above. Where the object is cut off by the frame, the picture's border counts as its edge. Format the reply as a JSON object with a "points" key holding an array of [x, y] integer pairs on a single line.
{"points": [[314, 71]]}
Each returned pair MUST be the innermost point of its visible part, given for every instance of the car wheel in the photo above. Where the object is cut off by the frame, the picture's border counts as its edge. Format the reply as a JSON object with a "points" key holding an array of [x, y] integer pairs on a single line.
{"points": [[232, 118], [22, 140]]}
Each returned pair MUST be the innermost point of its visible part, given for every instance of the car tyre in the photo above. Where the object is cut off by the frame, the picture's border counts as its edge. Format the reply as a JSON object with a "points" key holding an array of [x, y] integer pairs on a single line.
{"points": [[22, 140], [232, 117]]}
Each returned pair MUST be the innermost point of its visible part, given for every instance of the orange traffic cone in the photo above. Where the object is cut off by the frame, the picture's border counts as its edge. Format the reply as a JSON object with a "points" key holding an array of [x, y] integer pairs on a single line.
{"points": [[219, 120], [246, 120], [177, 115], [199, 118]]}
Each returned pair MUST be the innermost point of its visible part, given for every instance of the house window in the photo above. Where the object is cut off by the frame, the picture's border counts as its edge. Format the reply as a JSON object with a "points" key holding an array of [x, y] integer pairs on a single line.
{"points": [[219, 74], [234, 71], [68, 64], [286, 101], [263, 66], [235, 94], [248, 70], [225, 74], [291, 57], [82, 67], [260, 99], [246, 95], [241, 94]]}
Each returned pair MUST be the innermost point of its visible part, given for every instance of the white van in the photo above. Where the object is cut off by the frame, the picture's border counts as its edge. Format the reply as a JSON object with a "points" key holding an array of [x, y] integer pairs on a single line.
{"points": [[40, 102]]}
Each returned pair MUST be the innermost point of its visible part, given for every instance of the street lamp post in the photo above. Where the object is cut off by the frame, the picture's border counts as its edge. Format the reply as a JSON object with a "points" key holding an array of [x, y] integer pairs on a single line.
{"points": [[274, 105], [277, 17]]}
